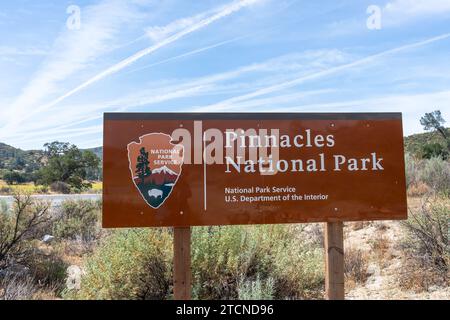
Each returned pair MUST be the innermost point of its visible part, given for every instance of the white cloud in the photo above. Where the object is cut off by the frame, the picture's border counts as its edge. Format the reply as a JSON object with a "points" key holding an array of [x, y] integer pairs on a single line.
{"points": [[187, 54], [47, 79], [224, 105], [30, 51], [395, 13], [400, 11], [42, 137], [159, 33], [72, 52], [413, 106]]}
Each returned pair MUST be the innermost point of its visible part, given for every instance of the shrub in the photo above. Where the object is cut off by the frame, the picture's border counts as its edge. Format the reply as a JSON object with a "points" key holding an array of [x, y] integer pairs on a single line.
{"points": [[3, 207], [155, 280], [27, 265], [256, 290], [5, 190], [48, 268], [418, 189], [411, 167], [60, 187], [19, 225], [15, 287], [118, 268], [78, 220], [12, 177], [226, 262], [299, 272], [434, 150], [224, 256], [220, 256], [312, 234], [41, 189], [436, 174], [355, 265], [425, 245]]}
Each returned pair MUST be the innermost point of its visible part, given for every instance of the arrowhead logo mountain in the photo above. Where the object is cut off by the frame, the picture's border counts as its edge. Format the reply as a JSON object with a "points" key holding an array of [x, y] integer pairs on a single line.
{"points": [[155, 166]]}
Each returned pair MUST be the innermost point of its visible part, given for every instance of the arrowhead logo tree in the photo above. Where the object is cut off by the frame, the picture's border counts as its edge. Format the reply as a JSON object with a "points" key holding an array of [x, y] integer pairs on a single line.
{"points": [[155, 165]]}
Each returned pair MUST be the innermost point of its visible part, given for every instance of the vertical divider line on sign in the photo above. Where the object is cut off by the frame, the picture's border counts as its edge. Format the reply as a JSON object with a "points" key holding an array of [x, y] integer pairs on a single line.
{"points": [[204, 171]]}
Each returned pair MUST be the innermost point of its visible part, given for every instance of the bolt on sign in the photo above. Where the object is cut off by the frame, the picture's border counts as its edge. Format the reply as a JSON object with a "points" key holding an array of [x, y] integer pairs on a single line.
{"points": [[192, 169]]}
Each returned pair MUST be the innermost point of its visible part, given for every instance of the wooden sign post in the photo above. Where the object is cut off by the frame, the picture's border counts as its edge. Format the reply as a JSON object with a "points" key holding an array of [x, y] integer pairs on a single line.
{"points": [[209, 169], [182, 263], [334, 261]]}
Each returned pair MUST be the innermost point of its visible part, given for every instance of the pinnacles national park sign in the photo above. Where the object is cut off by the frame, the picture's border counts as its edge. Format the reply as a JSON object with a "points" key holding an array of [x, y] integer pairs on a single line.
{"points": [[192, 169]]}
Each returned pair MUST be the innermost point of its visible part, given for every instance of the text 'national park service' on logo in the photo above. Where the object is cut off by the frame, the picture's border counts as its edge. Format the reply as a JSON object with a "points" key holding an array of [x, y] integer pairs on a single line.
{"points": [[155, 165]]}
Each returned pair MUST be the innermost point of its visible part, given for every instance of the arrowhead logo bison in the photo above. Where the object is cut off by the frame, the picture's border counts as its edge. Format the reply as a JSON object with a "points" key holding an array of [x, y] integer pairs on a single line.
{"points": [[155, 165]]}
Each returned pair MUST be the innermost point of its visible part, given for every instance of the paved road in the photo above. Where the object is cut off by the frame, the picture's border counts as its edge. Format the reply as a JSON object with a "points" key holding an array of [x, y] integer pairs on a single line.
{"points": [[56, 199]]}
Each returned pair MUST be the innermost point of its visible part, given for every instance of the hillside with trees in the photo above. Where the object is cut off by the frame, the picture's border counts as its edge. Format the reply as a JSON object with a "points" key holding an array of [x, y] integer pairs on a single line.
{"points": [[435, 143], [16, 159], [60, 165], [415, 143]]}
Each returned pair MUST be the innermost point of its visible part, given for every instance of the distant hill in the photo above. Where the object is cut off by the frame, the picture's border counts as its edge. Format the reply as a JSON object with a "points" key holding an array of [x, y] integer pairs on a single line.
{"points": [[7, 151], [12, 158], [415, 142]]}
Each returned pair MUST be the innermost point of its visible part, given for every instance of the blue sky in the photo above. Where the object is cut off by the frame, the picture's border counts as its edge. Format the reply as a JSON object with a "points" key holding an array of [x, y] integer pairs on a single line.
{"points": [[250, 55]]}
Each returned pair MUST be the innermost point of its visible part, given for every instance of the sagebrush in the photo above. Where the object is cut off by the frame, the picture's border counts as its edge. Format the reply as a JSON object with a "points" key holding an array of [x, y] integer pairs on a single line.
{"points": [[425, 245], [78, 220], [227, 263]]}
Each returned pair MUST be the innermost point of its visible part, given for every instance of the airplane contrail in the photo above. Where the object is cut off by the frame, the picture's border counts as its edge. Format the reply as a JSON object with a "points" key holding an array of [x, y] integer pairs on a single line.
{"points": [[223, 12], [190, 53], [227, 10], [223, 105]]}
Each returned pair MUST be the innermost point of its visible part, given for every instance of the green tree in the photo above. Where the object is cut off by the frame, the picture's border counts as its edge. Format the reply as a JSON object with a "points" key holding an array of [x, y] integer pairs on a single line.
{"points": [[19, 163], [56, 148], [434, 121], [433, 150], [68, 164], [12, 177], [142, 168]]}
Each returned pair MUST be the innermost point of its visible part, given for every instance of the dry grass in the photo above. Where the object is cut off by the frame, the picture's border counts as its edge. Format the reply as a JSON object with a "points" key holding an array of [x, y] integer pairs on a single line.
{"points": [[380, 247], [97, 186], [17, 287], [355, 267], [357, 225], [380, 226], [419, 277], [21, 188], [31, 188], [425, 248], [418, 189]]}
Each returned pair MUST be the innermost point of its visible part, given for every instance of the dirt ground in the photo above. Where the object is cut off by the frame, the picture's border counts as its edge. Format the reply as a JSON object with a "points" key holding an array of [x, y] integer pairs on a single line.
{"points": [[379, 240]]}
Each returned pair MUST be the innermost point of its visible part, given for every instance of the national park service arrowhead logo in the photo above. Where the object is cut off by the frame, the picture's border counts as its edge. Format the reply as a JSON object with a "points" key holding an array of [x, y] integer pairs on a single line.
{"points": [[155, 165]]}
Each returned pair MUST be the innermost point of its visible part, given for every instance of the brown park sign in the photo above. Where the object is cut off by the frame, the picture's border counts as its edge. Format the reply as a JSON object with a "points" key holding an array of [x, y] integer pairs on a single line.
{"points": [[191, 169]]}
